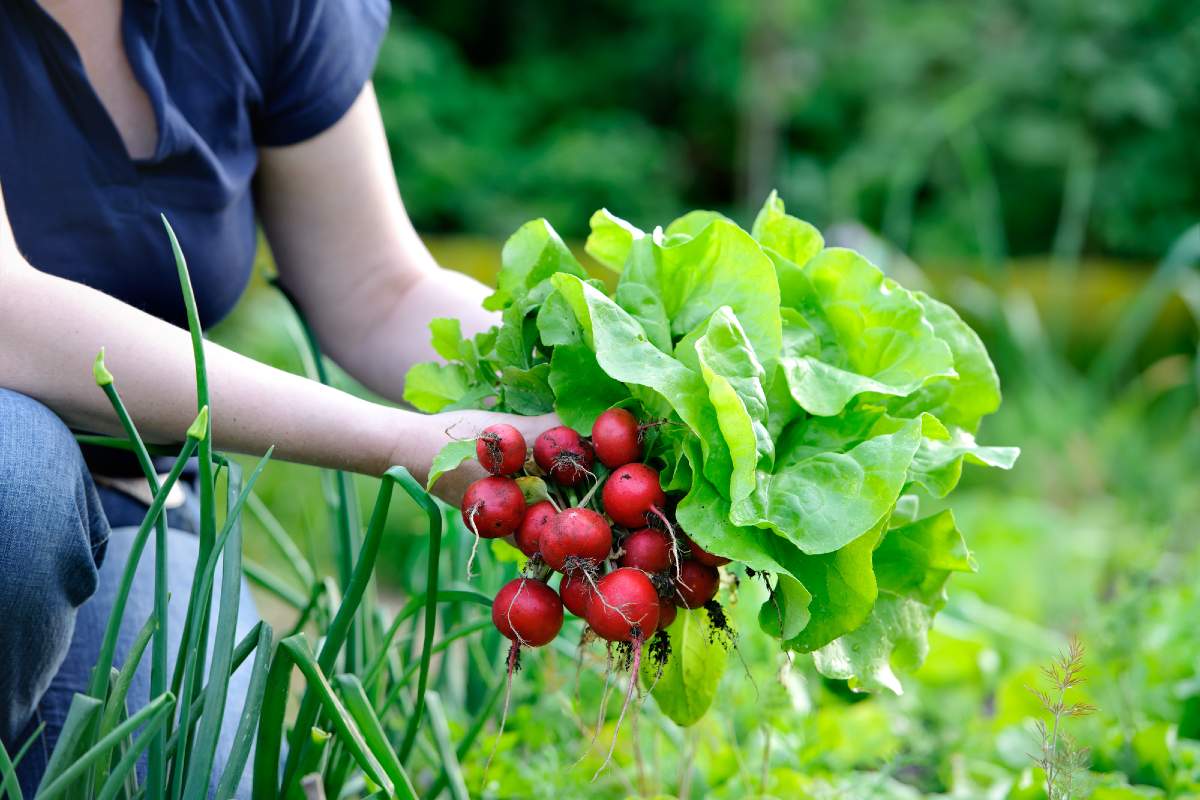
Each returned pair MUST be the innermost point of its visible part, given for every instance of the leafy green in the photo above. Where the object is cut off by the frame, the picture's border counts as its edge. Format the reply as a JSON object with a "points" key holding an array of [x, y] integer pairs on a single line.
{"points": [[611, 239], [447, 337], [894, 634], [973, 392], [786, 612], [824, 501], [869, 335], [806, 403], [530, 256], [527, 391], [582, 390], [688, 683], [431, 387], [915, 560], [449, 458], [791, 238]]}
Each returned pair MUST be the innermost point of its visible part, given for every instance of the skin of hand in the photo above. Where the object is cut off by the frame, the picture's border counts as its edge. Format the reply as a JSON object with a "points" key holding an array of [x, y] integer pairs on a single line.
{"points": [[467, 425]]}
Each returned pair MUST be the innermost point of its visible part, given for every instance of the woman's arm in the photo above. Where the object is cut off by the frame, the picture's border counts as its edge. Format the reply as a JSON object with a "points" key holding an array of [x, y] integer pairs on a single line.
{"points": [[347, 251], [51, 330]]}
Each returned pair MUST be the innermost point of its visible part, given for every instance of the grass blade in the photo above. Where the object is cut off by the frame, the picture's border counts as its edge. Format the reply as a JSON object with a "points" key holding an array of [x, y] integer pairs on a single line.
{"points": [[243, 739], [345, 509], [311, 765], [449, 758], [125, 767], [430, 507], [359, 706], [468, 740], [207, 481], [204, 748], [282, 541], [115, 706], [341, 625], [156, 772], [100, 673], [295, 651], [266, 580], [73, 739], [410, 608], [447, 640], [148, 715], [1131, 329], [192, 657], [9, 786]]}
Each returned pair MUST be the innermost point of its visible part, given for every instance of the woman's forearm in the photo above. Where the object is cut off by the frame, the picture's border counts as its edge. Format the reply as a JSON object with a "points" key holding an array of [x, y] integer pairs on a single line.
{"points": [[51, 330], [381, 356]]}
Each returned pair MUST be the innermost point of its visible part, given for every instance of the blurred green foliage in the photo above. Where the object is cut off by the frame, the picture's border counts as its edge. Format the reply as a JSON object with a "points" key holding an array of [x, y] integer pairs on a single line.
{"points": [[978, 129]]}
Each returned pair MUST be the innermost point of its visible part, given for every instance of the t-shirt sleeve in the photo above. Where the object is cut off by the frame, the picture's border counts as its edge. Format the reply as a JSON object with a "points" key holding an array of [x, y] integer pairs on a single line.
{"points": [[322, 54]]}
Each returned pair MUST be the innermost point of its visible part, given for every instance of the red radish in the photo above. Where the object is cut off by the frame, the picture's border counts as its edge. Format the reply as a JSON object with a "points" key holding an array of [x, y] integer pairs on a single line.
{"points": [[666, 613], [501, 449], [493, 507], [702, 555], [575, 590], [616, 437], [648, 550], [696, 584], [528, 612], [624, 606], [538, 518], [577, 535], [563, 455], [631, 493]]}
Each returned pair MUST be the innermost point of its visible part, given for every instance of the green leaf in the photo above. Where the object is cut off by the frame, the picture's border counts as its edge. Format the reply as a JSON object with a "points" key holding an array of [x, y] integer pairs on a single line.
{"points": [[449, 458], [938, 462], [430, 386], [625, 354], [825, 500], [843, 590], [530, 256], [722, 266], [841, 584], [693, 222], [861, 332], [557, 324], [734, 377], [792, 238], [689, 681], [447, 337], [970, 395], [704, 515], [785, 613], [894, 635], [916, 559], [640, 292], [527, 391], [611, 239], [582, 390]]}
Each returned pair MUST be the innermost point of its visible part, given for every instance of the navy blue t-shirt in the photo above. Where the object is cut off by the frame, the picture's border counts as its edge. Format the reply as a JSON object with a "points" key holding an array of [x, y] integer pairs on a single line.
{"points": [[224, 77]]}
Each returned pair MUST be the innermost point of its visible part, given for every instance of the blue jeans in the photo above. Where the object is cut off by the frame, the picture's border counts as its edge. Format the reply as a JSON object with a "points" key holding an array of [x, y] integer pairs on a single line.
{"points": [[60, 567]]}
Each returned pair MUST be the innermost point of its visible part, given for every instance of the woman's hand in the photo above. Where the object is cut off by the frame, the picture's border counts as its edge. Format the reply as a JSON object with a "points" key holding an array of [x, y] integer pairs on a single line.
{"points": [[421, 437]]}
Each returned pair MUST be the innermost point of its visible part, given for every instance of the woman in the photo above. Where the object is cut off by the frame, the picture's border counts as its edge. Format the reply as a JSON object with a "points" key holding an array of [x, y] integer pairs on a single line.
{"points": [[216, 113]]}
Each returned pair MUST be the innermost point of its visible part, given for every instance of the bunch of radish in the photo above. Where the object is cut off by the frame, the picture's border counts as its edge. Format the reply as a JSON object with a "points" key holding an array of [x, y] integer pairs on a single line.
{"points": [[626, 566]]}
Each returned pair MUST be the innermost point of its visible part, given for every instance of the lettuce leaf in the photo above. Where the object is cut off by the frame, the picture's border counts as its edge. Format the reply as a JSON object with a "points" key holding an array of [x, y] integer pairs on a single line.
{"points": [[804, 403]]}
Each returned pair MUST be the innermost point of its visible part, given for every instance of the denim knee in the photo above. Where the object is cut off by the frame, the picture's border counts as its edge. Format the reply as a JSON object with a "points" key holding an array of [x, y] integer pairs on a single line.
{"points": [[52, 536]]}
